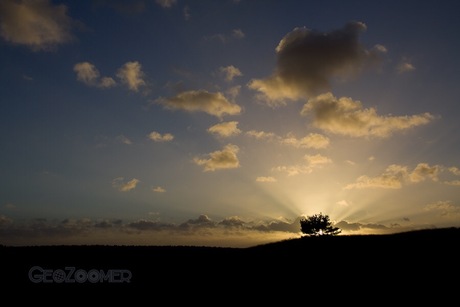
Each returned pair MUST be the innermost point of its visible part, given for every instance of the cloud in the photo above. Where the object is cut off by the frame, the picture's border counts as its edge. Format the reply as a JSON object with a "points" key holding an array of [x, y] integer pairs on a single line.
{"points": [[224, 38], [120, 184], [405, 66], [265, 179], [234, 91], [158, 137], [123, 139], [201, 101], [311, 140], [146, 225], [283, 226], [36, 24], [230, 72], [444, 208], [203, 221], [348, 117], [88, 74], [343, 203], [307, 60], [238, 34], [423, 171], [311, 162], [391, 178], [166, 3], [220, 159], [395, 176], [158, 190], [232, 221], [261, 135], [131, 75], [453, 182], [346, 226], [186, 12], [225, 129], [454, 170]]}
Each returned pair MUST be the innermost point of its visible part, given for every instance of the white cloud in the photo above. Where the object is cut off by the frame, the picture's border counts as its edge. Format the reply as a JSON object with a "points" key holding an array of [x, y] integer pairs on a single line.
{"points": [[405, 66], [158, 137], [265, 179], [158, 190], [261, 134], [125, 186], [230, 72], [224, 38], [89, 74], [124, 140], [221, 159], [37, 24], [311, 162], [348, 117], [225, 129], [307, 60], [166, 3], [343, 203], [201, 101], [131, 75]]}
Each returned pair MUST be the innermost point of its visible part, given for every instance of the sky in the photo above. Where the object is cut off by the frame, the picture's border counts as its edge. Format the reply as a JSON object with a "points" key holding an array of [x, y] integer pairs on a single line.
{"points": [[223, 123]]}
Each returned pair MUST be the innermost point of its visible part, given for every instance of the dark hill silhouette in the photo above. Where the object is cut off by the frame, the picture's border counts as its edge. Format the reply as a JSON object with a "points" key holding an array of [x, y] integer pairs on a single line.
{"points": [[424, 259]]}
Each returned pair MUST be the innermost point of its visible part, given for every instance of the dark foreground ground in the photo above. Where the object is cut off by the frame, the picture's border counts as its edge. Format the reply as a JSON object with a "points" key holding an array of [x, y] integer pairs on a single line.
{"points": [[417, 264]]}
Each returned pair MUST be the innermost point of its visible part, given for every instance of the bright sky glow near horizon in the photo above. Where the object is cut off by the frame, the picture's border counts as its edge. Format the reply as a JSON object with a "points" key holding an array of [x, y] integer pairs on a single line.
{"points": [[221, 123]]}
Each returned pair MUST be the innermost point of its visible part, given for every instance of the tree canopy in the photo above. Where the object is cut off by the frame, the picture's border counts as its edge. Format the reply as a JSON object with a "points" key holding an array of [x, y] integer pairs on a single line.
{"points": [[318, 225]]}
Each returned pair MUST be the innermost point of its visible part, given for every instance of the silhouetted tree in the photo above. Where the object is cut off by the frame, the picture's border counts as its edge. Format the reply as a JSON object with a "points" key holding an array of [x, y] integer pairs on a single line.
{"points": [[318, 225]]}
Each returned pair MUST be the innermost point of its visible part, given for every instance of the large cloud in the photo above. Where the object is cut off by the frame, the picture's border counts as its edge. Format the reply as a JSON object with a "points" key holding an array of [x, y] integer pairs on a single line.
{"points": [[201, 101], [308, 59], [348, 117], [35, 23], [220, 159]]}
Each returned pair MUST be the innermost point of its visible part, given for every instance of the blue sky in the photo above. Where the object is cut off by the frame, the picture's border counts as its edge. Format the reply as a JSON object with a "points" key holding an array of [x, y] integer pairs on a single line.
{"points": [[223, 122]]}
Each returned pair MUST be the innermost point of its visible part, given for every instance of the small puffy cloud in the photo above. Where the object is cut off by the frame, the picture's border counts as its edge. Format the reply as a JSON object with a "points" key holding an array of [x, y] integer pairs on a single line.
{"points": [[37, 24], [158, 137], [166, 3], [88, 74], [158, 190], [444, 208], [230, 72], [201, 101], [311, 162], [125, 186], [423, 171], [309, 59], [348, 117], [405, 66], [221, 159], [131, 75], [265, 179], [225, 129], [312, 140]]}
